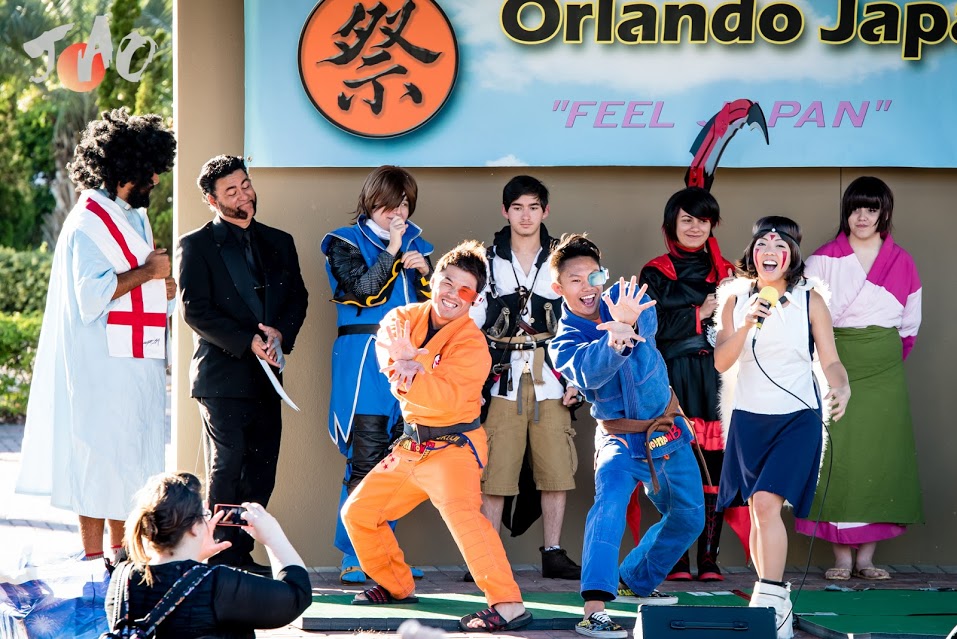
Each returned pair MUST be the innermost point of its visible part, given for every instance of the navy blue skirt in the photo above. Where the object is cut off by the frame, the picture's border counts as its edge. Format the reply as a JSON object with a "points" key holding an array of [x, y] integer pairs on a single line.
{"points": [[780, 454]]}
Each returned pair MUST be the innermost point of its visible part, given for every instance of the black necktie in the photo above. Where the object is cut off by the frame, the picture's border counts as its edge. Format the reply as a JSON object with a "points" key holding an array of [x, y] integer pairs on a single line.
{"points": [[251, 263]]}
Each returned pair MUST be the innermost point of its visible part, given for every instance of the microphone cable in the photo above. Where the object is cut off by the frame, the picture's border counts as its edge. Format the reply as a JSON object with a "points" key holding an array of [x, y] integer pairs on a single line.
{"points": [[830, 466]]}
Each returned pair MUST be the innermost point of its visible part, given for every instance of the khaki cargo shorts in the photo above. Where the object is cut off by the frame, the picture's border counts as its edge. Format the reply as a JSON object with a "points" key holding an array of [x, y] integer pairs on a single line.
{"points": [[551, 441]]}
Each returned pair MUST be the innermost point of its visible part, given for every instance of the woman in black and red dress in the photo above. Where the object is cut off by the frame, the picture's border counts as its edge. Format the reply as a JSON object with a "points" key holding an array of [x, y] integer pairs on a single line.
{"points": [[683, 281]]}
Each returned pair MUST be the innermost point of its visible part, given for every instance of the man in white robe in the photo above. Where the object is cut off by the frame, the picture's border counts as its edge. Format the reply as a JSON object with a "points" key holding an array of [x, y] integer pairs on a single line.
{"points": [[96, 415]]}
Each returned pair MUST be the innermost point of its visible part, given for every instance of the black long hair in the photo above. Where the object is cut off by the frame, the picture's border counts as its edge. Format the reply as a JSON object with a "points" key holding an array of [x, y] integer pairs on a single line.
{"points": [[868, 192], [790, 232], [694, 201]]}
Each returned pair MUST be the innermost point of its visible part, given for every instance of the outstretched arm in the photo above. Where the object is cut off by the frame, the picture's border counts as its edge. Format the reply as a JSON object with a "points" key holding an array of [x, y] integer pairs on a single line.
{"points": [[587, 364]]}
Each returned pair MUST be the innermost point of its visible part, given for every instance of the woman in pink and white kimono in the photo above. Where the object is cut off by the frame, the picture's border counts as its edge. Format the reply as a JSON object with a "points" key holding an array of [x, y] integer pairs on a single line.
{"points": [[870, 464]]}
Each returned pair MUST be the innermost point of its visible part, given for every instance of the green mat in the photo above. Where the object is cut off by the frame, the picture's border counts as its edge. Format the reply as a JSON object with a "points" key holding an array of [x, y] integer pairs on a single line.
{"points": [[909, 614], [877, 614]]}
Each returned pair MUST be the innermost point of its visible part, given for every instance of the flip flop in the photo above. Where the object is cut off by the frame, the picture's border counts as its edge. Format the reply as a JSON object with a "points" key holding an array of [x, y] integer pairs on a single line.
{"points": [[416, 572], [352, 575], [837, 574], [379, 596], [494, 622], [872, 573]]}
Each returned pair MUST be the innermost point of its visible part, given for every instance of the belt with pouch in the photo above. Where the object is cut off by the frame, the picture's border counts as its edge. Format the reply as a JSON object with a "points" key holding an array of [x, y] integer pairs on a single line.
{"points": [[663, 423], [442, 441]]}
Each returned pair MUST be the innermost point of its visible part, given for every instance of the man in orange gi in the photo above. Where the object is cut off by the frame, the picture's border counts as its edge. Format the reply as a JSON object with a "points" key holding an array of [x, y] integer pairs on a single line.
{"points": [[437, 361]]}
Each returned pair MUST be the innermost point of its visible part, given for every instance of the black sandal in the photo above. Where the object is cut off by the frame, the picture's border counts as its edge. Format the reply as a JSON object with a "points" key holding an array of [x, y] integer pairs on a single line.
{"points": [[379, 596], [494, 621]]}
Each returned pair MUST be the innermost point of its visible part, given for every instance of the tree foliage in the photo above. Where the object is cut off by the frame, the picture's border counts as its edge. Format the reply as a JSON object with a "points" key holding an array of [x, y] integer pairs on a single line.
{"points": [[19, 334], [26, 276], [40, 122]]}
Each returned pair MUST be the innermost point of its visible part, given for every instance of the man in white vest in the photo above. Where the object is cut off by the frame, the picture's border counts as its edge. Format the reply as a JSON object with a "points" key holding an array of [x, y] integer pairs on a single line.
{"points": [[95, 419]]}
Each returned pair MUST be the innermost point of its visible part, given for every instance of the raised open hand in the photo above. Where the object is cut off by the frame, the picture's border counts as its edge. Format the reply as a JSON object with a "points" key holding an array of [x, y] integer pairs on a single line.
{"points": [[628, 307], [402, 372], [400, 344], [620, 335]]}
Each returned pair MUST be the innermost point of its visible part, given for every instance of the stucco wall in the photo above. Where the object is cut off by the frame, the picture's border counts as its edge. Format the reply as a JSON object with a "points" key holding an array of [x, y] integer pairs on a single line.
{"points": [[619, 207]]}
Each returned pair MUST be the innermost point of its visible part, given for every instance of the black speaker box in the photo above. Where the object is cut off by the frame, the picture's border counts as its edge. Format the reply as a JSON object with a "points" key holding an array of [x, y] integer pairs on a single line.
{"points": [[705, 622]]}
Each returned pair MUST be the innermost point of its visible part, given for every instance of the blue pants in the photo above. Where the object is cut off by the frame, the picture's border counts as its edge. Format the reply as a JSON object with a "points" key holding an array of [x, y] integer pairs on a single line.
{"points": [[680, 502]]}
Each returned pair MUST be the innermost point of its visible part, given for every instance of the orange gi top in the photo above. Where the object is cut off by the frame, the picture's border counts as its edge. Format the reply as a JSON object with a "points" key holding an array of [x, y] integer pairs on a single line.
{"points": [[457, 365]]}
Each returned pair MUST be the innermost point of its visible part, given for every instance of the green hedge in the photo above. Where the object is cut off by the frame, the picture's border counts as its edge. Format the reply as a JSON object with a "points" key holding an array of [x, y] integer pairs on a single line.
{"points": [[24, 277], [19, 334]]}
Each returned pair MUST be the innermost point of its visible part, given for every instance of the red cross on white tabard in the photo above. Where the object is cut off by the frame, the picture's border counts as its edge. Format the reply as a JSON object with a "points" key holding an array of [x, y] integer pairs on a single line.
{"points": [[137, 318]]}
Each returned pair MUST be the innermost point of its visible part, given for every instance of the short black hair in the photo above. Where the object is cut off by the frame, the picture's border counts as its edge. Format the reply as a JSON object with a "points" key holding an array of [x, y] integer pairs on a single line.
{"points": [[121, 148], [469, 256], [570, 246], [868, 192], [524, 185], [694, 201], [216, 168], [790, 232]]}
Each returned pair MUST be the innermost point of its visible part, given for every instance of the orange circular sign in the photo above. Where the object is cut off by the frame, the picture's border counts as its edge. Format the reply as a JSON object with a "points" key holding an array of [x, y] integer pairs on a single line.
{"points": [[378, 68], [67, 69]]}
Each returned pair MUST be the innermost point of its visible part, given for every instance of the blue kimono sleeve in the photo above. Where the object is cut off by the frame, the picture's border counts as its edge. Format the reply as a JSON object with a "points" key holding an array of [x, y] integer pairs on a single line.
{"points": [[586, 364]]}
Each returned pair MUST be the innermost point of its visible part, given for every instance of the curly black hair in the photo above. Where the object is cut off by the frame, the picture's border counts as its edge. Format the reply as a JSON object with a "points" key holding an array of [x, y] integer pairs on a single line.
{"points": [[121, 148]]}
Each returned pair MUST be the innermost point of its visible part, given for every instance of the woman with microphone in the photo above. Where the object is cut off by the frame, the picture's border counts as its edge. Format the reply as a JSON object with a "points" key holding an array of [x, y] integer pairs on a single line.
{"points": [[772, 324]]}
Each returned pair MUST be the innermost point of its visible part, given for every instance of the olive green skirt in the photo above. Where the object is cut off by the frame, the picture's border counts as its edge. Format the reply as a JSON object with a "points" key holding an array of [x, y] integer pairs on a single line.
{"points": [[870, 462]]}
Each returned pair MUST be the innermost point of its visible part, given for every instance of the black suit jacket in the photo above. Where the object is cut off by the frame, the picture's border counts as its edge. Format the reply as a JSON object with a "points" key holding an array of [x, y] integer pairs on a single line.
{"points": [[218, 301]]}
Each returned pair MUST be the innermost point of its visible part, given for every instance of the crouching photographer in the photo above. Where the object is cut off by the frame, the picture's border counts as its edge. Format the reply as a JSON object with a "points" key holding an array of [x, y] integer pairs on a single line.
{"points": [[166, 590]]}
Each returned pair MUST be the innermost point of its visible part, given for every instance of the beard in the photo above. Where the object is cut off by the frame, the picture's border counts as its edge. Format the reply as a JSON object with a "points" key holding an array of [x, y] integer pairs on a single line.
{"points": [[139, 197], [236, 214]]}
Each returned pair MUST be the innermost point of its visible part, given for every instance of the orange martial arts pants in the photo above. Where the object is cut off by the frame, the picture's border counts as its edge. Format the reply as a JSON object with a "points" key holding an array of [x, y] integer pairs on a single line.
{"points": [[451, 478]]}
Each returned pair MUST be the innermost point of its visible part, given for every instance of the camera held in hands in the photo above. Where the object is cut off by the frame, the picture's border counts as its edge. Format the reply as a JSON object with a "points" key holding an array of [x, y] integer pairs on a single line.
{"points": [[233, 516]]}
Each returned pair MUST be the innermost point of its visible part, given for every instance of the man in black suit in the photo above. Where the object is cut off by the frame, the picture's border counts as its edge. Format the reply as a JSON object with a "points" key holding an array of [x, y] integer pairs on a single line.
{"points": [[242, 294]]}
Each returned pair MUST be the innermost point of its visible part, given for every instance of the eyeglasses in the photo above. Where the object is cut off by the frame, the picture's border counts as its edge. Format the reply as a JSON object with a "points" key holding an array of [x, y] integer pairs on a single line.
{"points": [[599, 277]]}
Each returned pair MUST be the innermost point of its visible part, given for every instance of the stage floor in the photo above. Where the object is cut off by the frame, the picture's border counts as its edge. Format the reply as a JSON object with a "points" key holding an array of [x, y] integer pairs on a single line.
{"points": [[913, 604]]}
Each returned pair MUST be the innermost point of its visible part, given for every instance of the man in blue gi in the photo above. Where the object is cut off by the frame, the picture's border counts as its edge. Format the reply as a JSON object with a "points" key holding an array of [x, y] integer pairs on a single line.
{"points": [[605, 346]]}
